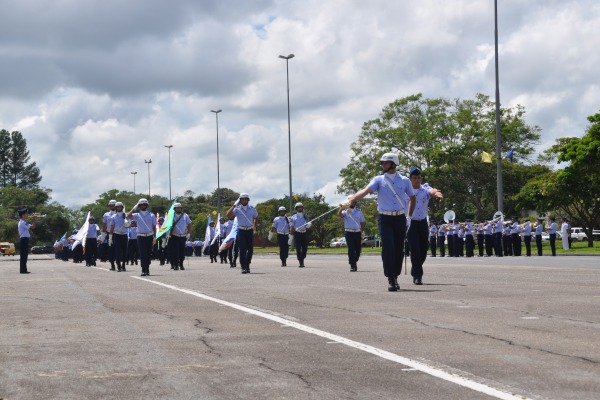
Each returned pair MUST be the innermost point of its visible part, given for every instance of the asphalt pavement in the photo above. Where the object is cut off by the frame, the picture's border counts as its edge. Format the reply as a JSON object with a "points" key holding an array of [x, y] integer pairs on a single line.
{"points": [[479, 328]]}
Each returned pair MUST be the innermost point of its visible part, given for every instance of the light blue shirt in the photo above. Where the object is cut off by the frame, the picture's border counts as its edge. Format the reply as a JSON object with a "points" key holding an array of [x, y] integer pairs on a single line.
{"points": [[133, 233], [488, 229], [145, 222], [527, 229], [117, 221], [281, 225], [499, 226], [245, 215], [92, 232], [353, 218], [106, 219], [23, 228], [386, 199], [226, 228], [469, 230], [539, 229], [298, 222], [442, 231], [182, 222], [552, 228], [422, 202], [433, 230]]}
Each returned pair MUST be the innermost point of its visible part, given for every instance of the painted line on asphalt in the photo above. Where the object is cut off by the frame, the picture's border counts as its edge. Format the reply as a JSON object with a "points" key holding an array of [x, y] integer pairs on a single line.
{"points": [[417, 365]]}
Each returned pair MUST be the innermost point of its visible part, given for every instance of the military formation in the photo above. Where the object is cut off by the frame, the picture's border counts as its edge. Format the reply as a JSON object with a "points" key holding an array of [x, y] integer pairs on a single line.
{"points": [[124, 238]]}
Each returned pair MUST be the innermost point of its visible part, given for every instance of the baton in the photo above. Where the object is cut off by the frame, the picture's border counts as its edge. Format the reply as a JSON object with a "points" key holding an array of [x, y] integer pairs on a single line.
{"points": [[314, 219]]}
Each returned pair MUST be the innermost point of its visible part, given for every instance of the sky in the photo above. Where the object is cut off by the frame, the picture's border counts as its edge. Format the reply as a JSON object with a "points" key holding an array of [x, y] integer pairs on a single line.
{"points": [[99, 88]]}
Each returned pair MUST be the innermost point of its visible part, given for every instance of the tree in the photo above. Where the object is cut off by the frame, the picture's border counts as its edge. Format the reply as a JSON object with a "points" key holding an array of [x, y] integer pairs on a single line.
{"points": [[445, 139], [15, 168], [573, 191]]}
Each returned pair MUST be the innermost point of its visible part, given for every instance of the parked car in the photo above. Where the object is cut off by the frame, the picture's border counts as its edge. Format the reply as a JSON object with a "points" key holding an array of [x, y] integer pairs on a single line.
{"points": [[371, 241], [596, 234], [338, 242], [42, 250], [7, 249], [578, 234]]}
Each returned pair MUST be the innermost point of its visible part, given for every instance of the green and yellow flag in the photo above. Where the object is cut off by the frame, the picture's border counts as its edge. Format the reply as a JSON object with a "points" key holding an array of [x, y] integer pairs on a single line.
{"points": [[486, 157], [168, 223]]}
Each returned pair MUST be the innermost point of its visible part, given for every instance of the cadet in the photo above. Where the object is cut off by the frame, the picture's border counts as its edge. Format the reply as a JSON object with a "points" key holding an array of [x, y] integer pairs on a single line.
{"points": [[498, 237], [180, 232], [441, 239], [91, 242], [354, 224], [117, 237], [108, 250], [418, 232], [146, 232], [480, 237], [552, 232], [515, 237], [433, 238], [132, 246], [392, 221], [527, 237], [213, 244], [298, 226], [489, 239], [539, 228], [281, 226], [24, 233], [162, 244], [247, 217], [225, 229], [469, 241]]}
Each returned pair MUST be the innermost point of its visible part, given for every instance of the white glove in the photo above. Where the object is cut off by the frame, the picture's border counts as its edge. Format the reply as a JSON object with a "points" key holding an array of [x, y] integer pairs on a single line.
{"points": [[187, 236], [308, 225], [236, 202], [136, 205], [110, 239], [408, 219], [102, 237]]}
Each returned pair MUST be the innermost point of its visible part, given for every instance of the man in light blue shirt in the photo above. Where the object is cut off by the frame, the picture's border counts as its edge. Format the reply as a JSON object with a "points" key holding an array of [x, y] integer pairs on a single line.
{"points": [[354, 225], [145, 222], [298, 226], [24, 234], [180, 232], [247, 217], [281, 226], [390, 187]]}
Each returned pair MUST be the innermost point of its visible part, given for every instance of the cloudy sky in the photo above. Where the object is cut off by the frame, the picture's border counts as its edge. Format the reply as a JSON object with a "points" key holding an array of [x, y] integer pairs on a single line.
{"points": [[99, 87]]}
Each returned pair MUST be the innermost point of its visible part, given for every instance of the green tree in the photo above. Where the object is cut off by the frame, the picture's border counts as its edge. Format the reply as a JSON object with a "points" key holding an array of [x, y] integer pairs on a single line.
{"points": [[445, 139], [15, 168]]}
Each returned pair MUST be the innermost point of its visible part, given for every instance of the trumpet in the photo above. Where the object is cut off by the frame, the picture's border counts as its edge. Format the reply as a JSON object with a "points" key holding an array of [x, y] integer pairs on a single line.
{"points": [[37, 215]]}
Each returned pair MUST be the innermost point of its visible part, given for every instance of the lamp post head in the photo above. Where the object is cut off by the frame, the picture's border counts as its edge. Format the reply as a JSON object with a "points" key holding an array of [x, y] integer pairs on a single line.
{"points": [[168, 146], [134, 173], [216, 111], [287, 57]]}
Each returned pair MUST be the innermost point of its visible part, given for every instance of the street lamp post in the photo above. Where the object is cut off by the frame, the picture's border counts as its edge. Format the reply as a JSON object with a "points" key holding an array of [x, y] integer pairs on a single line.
{"points": [[148, 162], [169, 147], [498, 133], [134, 174], [218, 178], [287, 70]]}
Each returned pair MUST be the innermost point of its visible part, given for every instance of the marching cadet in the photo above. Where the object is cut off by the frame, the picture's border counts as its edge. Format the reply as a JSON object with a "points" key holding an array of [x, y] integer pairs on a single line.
{"points": [[145, 222], [418, 232], [506, 240], [162, 244], [441, 239], [515, 237], [225, 229], [24, 229], [392, 219], [539, 228], [489, 238], [298, 226], [281, 226], [91, 242], [480, 237], [354, 225], [551, 227], [498, 237], [527, 237], [132, 246], [433, 237], [180, 232], [118, 236], [247, 217], [451, 235], [469, 241], [213, 244], [459, 240], [108, 251]]}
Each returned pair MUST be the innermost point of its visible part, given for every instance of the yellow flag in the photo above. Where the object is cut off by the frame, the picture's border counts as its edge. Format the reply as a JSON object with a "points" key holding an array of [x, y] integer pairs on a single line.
{"points": [[486, 157]]}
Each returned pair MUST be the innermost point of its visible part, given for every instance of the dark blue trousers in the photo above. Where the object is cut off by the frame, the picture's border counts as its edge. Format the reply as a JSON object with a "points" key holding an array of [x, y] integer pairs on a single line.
{"points": [[145, 248], [23, 253], [245, 239], [354, 242], [417, 239], [284, 247], [301, 239], [393, 233]]}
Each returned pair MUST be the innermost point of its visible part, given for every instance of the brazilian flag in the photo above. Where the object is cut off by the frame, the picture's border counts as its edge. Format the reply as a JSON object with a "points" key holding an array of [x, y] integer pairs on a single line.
{"points": [[168, 222]]}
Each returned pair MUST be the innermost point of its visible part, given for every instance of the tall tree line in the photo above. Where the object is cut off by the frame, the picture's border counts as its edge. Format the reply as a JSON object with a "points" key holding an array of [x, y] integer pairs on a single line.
{"points": [[15, 168]]}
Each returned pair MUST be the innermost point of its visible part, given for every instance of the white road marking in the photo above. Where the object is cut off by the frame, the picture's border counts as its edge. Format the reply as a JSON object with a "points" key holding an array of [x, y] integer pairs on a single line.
{"points": [[417, 365], [530, 317]]}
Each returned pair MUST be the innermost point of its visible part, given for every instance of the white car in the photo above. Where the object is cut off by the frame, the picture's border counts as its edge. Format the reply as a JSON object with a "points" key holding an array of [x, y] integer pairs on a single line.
{"points": [[338, 242], [578, 234]]}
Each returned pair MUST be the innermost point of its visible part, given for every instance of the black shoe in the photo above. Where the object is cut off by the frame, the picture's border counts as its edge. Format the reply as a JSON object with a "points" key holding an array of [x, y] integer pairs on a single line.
{"points": [[301, 265], [417, 281], [392, 285], [26, 272], [123, 269], [181, 267], [396, 283], [143, 274], [244, 271]]}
